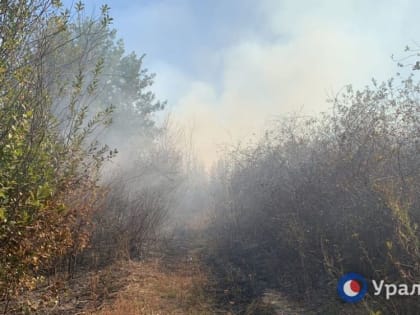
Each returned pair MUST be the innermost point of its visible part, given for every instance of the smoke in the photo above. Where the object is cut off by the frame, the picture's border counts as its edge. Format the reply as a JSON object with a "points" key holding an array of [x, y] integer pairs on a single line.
{"points": [[303, 55], [275, 59]]}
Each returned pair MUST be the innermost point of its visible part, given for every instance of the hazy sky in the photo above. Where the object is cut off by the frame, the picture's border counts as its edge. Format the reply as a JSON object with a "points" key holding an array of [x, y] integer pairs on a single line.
{"points": [[227, 66]]}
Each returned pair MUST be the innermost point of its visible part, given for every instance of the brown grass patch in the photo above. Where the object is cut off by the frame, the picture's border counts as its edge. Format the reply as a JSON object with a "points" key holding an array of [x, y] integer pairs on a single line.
{"points": [[153, 289]]}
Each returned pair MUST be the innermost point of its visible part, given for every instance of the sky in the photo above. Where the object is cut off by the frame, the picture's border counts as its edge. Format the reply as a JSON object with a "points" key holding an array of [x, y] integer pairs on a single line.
{"points": [[227, 67]]}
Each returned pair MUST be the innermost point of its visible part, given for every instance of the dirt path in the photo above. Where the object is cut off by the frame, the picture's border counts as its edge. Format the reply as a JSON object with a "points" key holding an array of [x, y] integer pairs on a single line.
{"points": [[178, 278], [154, 289], [179, 282], [172, 282]]}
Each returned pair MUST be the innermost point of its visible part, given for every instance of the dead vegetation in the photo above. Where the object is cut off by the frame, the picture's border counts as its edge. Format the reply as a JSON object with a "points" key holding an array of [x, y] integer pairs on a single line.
{"points": [[154, 289]]}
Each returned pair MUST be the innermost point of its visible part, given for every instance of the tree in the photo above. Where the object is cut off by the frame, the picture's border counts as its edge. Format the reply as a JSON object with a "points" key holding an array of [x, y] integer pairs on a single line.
{"points": [[124, 82], [45, 169]]}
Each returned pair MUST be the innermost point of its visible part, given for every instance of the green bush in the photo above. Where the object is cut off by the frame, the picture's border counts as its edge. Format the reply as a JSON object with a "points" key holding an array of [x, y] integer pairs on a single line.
{"points": [[48, 167]]}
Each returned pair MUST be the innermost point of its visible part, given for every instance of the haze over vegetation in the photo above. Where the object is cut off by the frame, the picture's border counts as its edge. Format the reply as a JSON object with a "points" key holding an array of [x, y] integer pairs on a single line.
{"points": [[235, 198]]}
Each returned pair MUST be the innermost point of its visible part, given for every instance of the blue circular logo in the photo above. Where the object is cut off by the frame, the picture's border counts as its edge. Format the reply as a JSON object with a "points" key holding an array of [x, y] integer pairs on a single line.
{"points": [[352, 287]]}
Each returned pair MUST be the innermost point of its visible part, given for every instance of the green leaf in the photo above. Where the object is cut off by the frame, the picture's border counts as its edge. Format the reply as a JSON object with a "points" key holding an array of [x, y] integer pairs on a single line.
{"points": [[43, 192], [3, 214]]}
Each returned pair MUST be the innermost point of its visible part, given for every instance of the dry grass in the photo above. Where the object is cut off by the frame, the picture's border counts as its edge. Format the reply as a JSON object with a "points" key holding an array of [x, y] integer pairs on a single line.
{"points": [[153, 289]]}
